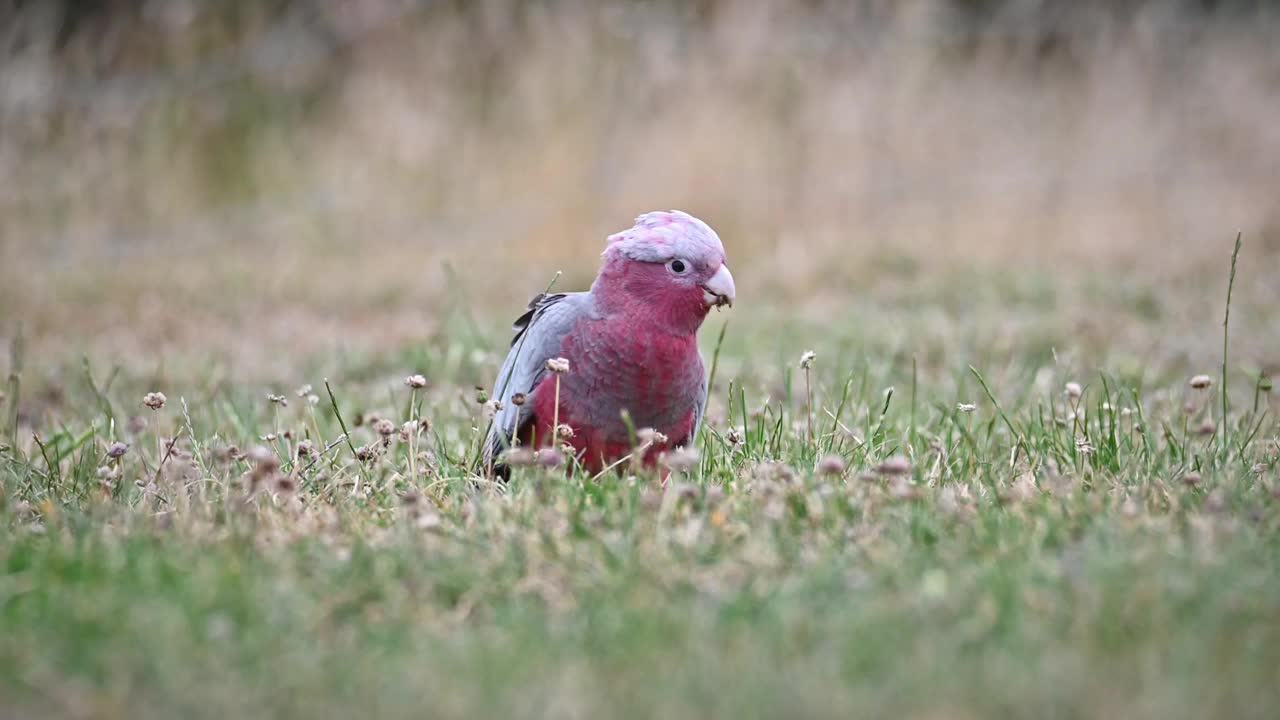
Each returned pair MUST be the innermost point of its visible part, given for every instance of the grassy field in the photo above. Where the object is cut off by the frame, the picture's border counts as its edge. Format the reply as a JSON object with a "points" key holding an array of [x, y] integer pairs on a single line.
{"points": [[1024, 472], [1043, 534]]}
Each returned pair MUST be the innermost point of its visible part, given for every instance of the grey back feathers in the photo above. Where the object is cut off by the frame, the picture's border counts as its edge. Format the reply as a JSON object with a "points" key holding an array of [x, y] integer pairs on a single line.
{"points": [[539, 334]]}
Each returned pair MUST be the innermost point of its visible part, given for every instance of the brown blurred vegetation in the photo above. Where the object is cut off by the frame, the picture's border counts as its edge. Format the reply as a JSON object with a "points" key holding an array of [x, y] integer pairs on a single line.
{"points": [[237, 177]]}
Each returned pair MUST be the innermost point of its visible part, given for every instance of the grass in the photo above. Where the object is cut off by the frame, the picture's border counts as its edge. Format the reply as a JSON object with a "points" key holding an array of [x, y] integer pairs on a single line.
{"points": [[1007, 538]]}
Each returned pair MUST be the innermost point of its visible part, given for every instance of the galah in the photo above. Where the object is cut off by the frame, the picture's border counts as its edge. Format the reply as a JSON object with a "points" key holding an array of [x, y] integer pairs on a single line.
{"points": [[631, 347]]}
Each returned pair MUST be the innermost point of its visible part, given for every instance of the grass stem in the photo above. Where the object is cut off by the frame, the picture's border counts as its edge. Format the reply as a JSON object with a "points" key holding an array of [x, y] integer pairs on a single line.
{"points": [[1226, 320]]}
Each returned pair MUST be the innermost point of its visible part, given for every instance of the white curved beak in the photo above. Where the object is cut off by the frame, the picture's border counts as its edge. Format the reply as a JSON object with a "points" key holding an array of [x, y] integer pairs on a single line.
{"points": [[719, 290]]}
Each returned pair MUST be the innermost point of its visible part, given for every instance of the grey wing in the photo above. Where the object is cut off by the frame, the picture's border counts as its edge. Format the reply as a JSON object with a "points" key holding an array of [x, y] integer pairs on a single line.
{"points": [[539, 334]]}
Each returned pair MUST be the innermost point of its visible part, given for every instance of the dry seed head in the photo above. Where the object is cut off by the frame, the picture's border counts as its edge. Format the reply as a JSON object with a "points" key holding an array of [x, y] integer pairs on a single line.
{"points": [[686, 492], [1023, 488], [564, 432], [902, 489], [265, 465], [286, 484], [117, 450], [966, 407], [154, 400], [280, 400], [223, 454], [550, 458], [680, 460], [831, 465], [1130, 508], [1073, 390], [518, 399], [1201, 382], [947, 500], [263, 459], [896, 465], [306, 448], [1191, 478], [417, 382], [714, 494], [734, 436], [136, 424], [384, 427], [408, 430], [1216, 501], [365, 453], [806, 359], [649, 436], [558, 365], [518, 457], [303, 391]]}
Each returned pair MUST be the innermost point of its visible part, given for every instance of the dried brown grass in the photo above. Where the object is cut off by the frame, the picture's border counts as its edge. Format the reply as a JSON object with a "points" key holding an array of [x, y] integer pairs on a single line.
{"points": [[198, 199]]}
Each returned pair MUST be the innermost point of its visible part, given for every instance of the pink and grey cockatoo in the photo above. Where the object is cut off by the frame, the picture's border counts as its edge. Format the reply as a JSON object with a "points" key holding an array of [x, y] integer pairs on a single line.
{"points": [[631, 343]]}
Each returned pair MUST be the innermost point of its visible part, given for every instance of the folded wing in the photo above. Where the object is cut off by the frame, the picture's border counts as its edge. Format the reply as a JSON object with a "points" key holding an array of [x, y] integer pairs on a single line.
{"points": [[540, 333]]}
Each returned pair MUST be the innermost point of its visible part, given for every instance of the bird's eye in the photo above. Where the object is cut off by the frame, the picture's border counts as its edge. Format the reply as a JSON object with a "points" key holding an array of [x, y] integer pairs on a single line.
{"points": [[678, 266]]}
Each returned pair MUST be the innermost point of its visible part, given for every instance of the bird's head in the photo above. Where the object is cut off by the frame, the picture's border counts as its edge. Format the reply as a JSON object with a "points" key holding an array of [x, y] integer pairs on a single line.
{"points": [[669, 265]]}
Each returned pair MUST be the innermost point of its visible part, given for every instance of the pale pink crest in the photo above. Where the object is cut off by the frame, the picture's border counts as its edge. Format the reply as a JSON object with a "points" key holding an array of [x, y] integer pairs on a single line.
{"points": [[665, 234]]}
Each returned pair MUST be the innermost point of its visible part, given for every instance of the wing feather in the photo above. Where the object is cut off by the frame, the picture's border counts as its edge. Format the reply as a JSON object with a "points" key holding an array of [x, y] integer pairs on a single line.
{"points": [[539, 335]]}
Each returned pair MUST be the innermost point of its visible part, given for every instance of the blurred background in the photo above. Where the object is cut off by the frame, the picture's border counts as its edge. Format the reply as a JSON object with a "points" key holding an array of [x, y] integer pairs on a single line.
{"points": [[252, 182]]}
